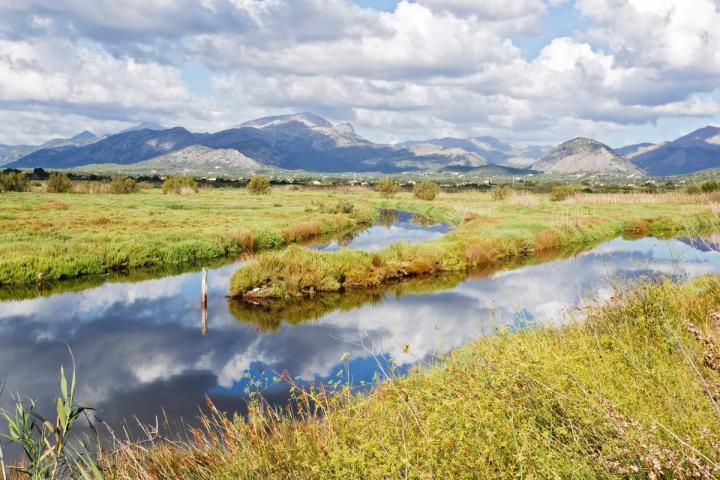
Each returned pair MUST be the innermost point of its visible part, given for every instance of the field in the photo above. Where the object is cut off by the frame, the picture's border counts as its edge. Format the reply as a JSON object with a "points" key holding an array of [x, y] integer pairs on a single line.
{"points": [[628, 393], [74, 235], [487, 231]]}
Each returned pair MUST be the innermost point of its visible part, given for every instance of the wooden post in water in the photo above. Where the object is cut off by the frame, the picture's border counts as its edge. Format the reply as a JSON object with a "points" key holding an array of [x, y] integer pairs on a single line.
{"points": [[40, 283], [203, 302]]}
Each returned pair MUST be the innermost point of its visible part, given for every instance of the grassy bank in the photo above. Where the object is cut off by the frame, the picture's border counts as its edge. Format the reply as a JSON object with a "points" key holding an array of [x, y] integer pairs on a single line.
{"points": [[629, 393], [487, 232], [74, 235]]}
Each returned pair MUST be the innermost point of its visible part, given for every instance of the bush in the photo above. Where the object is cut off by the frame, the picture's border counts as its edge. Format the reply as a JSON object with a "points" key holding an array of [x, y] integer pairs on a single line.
{"points": [[58, 183], [426, 190], [709, 186], [561, 192], [501, 192], [121, 184], [387, 187], [13, 182], [259, 185], [180, 185], [693, 189]]}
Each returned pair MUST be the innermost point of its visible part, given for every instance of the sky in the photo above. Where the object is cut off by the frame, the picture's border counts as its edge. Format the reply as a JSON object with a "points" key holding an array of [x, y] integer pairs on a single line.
{"points": [[530, 71]]}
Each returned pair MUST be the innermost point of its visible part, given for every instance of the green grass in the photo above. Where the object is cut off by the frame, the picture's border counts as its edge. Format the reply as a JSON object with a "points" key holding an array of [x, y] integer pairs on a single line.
{"points": [[628, 393], [487, 232], [74, 235]]}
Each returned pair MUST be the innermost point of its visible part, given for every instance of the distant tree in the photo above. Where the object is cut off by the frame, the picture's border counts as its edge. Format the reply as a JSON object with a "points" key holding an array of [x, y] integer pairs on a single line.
{"points": [[387, 187], [561, 192], [179, 185], [501, 192], [651, 187], [709, 186], [693, 190], [58, 183], [426, 190], [39, 174], [122, 184], [13, 181], [259, 185]]}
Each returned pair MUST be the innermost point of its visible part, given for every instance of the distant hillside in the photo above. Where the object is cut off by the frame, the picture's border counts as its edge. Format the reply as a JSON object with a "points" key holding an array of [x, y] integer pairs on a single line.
{"points": [[11, 153], [632, 151], [308, 142], [196, 160], [301, 141], [123, 148], [490, 148], [696, 151], [584, 155]]}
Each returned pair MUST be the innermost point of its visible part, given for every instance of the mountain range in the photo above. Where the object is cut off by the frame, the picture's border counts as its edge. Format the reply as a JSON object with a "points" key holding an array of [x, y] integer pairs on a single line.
{"points": [[305, 141]]}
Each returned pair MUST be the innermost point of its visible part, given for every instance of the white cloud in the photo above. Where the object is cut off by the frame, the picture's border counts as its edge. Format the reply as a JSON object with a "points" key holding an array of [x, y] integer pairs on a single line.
{"points": [[427, 68], [508, 15], [676, 34]]}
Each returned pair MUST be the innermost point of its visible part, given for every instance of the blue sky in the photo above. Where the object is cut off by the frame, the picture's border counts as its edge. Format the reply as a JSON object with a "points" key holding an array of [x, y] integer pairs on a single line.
{"points": [[530, 71]]}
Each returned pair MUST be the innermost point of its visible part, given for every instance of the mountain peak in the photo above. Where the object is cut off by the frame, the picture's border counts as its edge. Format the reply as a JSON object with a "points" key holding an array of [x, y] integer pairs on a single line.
{"points": [[584, 155], [84, 135], [143, 126], [308, 119]]}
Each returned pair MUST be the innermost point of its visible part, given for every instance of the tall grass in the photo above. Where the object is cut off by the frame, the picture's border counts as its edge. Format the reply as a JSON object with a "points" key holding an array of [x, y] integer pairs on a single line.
{"points": [[510, 231], [643, 198], [628, 393], [72, 235]]}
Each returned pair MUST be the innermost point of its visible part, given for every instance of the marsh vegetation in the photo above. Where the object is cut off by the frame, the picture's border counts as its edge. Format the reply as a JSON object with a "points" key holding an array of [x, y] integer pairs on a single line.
{"points": [[567, 397]]}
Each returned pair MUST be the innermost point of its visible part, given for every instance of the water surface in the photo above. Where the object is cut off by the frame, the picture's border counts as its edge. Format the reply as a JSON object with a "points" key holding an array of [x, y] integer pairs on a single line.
{"points": [[139, 346], [392, 226]]}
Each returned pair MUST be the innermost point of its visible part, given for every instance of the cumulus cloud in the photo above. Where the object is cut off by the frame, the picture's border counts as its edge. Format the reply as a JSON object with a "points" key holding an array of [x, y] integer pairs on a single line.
{"points": [[427, 68]]}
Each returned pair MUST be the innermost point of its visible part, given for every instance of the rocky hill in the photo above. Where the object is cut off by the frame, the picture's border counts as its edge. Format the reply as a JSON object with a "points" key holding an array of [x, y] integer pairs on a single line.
{"points": [[584, 155]]}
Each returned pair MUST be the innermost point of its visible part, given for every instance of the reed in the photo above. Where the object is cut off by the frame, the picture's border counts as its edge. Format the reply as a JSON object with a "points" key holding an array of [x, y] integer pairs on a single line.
{"points": [[510, 231]]}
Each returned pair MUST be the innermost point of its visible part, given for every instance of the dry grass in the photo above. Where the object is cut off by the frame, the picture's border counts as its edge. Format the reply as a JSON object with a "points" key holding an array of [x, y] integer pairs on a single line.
{"points": [[57, 205], [642, 198], [523, 198], [301, 232]]}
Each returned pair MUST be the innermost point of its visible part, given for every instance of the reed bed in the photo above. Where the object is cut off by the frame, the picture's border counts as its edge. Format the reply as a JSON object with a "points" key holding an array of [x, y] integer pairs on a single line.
{"points": [[72, 235], [643, 198], [504, 231]]}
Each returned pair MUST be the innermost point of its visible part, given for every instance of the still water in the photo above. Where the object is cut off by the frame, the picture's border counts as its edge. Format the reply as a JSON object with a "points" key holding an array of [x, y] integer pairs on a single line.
{"points": [[139, 346]]}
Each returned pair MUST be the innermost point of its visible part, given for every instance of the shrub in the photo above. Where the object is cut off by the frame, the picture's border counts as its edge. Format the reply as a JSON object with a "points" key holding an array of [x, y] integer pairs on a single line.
{"points": [[13, 182], [709, 186], [561, 192], [58, 183], [259, 185], [343, 206], [501, 192], [387, 187], [693, 189], [121, 184], [179, 185], [426, 190]]}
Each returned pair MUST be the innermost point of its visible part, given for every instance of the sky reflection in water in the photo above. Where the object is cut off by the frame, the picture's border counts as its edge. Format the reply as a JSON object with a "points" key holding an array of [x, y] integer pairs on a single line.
{"points": [[139, 348]]}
